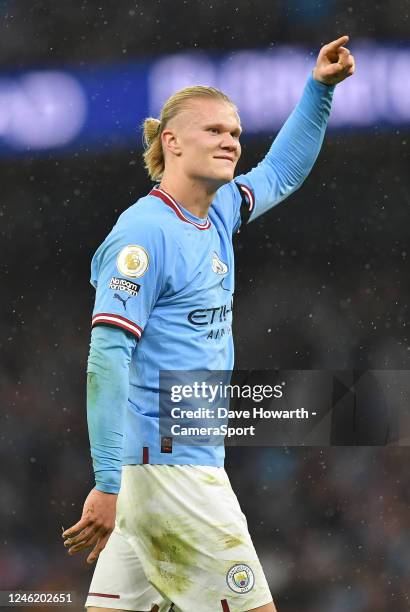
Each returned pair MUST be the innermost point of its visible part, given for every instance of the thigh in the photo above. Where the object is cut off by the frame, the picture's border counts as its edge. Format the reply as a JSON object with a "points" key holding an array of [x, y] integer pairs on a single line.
{"points": [[192, 538], [119, 581]]}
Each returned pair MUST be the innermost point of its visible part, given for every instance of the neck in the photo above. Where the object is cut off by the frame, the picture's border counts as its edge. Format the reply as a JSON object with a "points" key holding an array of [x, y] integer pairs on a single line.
{"points": [[194, 196]]}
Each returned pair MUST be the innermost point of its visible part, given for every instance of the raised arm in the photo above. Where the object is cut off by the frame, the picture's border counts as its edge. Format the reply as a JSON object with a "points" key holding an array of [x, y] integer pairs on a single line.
{"points": [[296, 147]]}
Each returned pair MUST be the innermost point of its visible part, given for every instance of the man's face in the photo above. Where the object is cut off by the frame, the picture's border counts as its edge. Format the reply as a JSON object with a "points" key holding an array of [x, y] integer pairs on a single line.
{"points": [[207, 133]]}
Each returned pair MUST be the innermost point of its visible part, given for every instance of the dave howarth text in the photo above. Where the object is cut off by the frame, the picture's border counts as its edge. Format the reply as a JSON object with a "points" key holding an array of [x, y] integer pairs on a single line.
{"points": [[223, 413]]}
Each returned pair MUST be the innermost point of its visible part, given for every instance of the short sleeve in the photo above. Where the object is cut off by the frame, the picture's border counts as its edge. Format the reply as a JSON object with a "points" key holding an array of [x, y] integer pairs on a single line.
{"points": [[126, 272]]}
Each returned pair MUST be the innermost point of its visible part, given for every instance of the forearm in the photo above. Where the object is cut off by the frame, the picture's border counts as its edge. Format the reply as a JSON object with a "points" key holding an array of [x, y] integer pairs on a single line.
{"points": [[107, 396], [294, 150], [298, 143]]}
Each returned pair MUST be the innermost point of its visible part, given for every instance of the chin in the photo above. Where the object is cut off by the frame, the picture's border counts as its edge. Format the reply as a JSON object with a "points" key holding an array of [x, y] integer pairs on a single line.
{"points": [[225, 177], [217, 180], [220, 181]]}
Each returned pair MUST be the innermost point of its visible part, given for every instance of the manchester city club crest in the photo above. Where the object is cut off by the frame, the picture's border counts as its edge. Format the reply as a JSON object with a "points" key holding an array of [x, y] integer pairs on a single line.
{"points": [[218, 266], [240, 578]]}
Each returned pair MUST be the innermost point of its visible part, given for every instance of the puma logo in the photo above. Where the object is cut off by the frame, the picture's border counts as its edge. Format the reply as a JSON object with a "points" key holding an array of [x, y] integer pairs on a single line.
{"points": [[124, 302]]}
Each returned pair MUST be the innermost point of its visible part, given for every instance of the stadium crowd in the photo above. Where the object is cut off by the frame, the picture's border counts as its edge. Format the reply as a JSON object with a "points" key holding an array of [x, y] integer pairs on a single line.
{"points": [[81, 32]]}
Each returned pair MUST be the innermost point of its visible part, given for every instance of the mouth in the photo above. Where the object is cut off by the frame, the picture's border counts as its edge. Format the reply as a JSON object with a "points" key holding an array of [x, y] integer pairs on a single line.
{"points": [[225, 157]]}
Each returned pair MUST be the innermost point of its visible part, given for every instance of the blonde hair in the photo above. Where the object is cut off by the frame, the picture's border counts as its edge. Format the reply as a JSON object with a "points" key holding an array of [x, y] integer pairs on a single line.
{"points": [[154, 160]]}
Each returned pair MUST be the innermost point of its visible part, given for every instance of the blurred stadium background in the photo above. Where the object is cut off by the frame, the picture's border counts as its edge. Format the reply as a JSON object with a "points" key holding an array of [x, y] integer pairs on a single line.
{"points": [[322, 280]]}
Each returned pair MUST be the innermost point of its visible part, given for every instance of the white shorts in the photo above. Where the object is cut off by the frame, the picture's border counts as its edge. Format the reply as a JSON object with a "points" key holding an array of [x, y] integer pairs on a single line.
{"points": [[181, 542]]}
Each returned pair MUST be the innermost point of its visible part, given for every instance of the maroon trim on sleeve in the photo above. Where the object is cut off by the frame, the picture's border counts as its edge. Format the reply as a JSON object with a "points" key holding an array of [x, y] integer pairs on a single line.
{"points": [[118, 321], [249, 194]]}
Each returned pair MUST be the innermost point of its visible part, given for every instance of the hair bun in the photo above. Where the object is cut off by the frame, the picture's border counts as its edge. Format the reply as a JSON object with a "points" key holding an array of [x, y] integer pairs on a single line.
{"points": [[152, 128]]}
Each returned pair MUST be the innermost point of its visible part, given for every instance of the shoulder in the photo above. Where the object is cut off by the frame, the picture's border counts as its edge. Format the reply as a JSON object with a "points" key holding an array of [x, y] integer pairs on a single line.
{"points": [[146, 216], [236, 191], [227, 203], [141, 230], [227, 191], [144, 222]]}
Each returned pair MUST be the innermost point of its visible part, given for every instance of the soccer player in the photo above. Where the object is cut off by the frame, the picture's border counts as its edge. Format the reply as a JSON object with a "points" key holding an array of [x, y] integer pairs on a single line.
{"points": [[164, 280]]}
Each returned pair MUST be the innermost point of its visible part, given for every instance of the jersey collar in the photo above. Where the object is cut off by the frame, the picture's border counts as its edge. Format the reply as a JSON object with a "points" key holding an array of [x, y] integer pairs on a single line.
{"points": [[169, 201]]}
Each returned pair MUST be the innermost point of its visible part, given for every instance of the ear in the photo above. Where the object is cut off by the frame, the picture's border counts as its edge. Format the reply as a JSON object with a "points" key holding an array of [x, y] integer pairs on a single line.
{"points": [[170, 141]]}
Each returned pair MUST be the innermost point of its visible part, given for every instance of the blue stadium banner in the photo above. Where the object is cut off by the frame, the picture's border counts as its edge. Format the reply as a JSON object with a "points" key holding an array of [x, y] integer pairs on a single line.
{"points": [[95, 107]]}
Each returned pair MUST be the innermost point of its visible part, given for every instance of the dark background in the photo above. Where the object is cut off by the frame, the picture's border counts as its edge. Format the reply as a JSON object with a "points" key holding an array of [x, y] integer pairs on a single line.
{"points": [[322, 282]]}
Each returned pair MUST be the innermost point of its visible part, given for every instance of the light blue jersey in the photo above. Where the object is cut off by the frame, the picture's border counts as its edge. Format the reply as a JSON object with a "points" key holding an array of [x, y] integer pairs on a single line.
{"points": [[167, 277]]}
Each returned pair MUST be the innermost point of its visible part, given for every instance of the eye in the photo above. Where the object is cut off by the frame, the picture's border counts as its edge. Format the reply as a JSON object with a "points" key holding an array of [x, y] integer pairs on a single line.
{"points": [[214, 130]]}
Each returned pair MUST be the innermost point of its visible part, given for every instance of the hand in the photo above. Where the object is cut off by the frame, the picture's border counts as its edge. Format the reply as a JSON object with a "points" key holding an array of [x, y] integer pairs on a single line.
{"points": [[95, 526], [335, 63]]}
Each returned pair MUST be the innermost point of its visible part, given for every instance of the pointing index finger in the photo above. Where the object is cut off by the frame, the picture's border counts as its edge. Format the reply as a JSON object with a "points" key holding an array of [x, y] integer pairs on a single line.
{"points": [[335, 44]]}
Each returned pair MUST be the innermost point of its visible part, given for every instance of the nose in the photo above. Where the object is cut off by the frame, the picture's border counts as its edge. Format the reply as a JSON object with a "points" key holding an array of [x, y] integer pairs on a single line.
{"points": [[230, 143]]}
